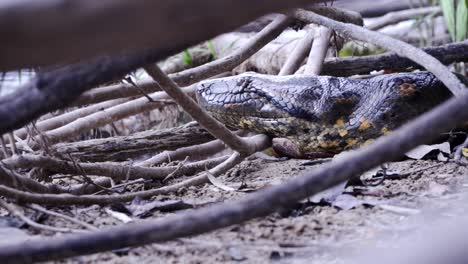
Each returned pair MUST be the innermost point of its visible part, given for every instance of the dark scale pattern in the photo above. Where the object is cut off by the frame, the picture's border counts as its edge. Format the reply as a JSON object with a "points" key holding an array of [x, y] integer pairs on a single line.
{"points": [[321, 114]]}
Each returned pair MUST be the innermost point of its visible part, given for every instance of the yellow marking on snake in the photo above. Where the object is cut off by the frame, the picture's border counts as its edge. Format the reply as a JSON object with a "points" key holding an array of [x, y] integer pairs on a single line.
{"points": [[365, 124], [342, 132]]}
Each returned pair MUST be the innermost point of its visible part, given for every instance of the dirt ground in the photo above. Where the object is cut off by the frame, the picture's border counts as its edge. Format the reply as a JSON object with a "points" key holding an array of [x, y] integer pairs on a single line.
{"points": [[319, 232]]}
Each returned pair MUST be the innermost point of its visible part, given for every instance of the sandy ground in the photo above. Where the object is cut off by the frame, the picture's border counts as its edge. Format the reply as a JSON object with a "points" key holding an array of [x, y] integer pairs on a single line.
{"points": [[322, 233]]}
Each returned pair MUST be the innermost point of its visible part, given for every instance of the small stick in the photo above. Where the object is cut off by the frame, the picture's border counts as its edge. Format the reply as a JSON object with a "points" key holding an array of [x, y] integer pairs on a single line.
{"points": [[399, 16], [63, 216], [14, 150], [298, 55], [318, 51], [191, 107], [176, 170], [4, 147]]}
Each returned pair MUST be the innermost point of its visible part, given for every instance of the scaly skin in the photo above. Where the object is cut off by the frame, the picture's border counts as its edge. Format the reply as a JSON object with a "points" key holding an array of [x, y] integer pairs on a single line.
{"points": [[322, 115]]}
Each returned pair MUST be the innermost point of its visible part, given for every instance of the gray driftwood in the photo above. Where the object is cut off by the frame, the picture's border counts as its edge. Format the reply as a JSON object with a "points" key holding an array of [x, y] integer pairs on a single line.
{"points": [[134, 146]]}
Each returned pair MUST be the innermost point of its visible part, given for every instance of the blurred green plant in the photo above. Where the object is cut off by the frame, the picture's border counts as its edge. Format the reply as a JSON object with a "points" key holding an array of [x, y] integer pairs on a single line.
{"points": [[187, 57], [354, 49], [456, 17], [212, 50]]}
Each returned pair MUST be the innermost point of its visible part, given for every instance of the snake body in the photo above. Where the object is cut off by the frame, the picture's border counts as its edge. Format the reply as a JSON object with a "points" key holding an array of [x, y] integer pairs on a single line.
{"points": [[322, 115]]}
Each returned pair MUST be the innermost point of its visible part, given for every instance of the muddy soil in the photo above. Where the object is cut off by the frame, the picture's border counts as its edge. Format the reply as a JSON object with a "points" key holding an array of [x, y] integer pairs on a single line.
{"points": [[318, 232]]}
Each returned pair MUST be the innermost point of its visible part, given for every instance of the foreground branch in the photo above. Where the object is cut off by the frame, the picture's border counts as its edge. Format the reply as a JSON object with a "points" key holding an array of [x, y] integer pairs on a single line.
{"points": [[109, 26]]}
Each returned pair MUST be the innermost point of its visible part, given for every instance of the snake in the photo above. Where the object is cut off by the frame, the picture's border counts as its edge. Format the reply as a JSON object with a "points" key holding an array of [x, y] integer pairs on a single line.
{"points": [[320, 115]]}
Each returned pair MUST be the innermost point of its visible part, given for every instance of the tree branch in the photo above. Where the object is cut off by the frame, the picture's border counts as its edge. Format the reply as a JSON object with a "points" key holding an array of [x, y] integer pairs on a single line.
{"points": [[446, 54], [398, 16], [400, 47], [122, 148], [193, 109]]}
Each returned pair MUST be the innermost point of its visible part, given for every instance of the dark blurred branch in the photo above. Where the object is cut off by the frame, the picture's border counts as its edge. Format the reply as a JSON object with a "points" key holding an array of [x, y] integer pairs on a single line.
{"points": [[49, 32]]}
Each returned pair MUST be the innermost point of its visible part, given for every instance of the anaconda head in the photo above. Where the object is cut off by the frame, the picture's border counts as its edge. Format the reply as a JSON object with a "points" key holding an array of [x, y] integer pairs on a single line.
{"points": [[276, 105]]}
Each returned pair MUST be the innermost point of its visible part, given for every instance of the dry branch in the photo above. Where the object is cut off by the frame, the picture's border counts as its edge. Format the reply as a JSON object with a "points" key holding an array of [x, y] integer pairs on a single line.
{"points": [[300, 52], [63, 119], [372, 8], [108, 116], [55, 89], [116, 171], [14, 180], [120, 90], [193, 152], [197, 113], [13, 209], [449, 53], [109, 26], [124, 147], [318, 52], [259, 142], [400, 47]]}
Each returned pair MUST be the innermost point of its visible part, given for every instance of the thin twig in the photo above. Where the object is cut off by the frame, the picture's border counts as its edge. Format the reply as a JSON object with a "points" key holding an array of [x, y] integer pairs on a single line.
{"points": [[181, 164], [194, 152], [111, 114], [4, 147], [398, 16], [115, 171], [260, 142], [65, 118], [196, 112], [125, 184], [66, 217], [299, 54], [318, 51], [11, 139]]}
